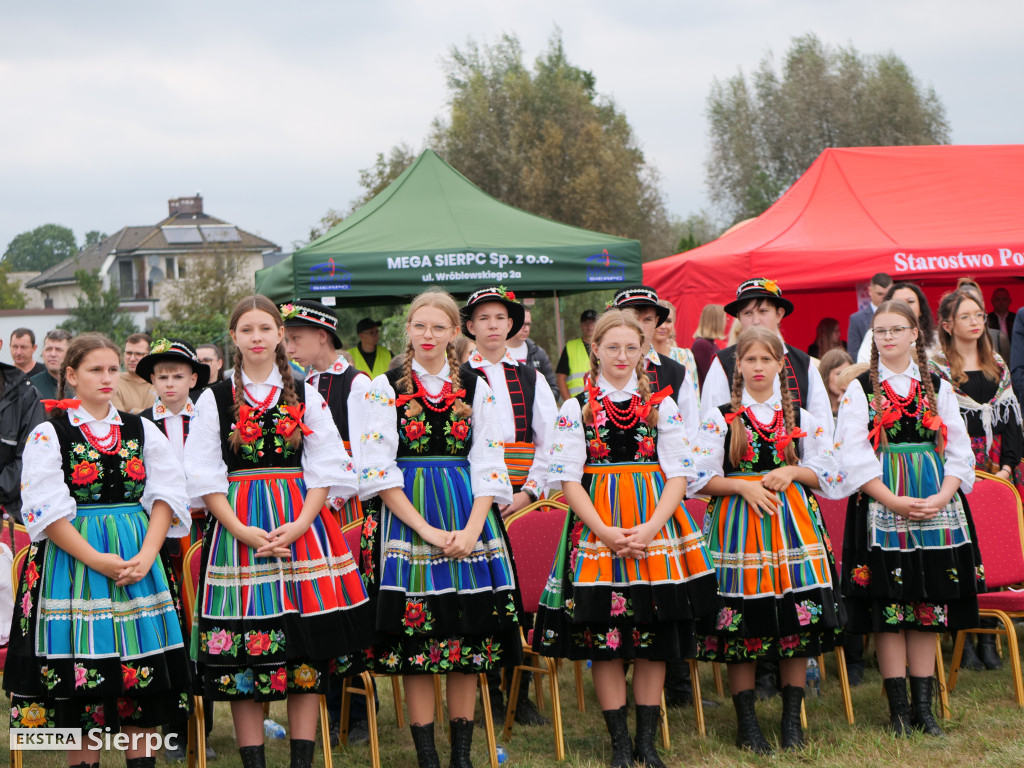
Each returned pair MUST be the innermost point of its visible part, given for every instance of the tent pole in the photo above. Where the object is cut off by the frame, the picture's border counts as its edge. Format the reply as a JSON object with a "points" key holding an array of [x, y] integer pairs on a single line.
{"points": [[559, 335]]}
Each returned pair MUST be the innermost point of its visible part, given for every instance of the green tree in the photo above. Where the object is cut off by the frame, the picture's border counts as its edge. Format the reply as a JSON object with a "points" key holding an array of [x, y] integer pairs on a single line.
{"points": [[99, 310], [696, 229], [92, 237], [767, 129], [40, 248], [11, 296]]}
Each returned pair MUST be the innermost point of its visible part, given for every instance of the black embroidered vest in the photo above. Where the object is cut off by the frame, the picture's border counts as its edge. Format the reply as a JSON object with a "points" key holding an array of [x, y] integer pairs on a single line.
{"points": [[609, 443], [433, 433], [266, 450], [797, 366], [909, 429], [335, 388], [96, 478], [162, 423], [762, 456], [522, 387], [668, 374]]}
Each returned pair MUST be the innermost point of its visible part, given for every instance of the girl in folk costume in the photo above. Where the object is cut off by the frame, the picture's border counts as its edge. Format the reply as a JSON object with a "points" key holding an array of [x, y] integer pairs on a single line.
{"points": [[97, 640], [981, 382], [910, 556], [757, 456], [280, 605], [436, 556], [639, 578]]}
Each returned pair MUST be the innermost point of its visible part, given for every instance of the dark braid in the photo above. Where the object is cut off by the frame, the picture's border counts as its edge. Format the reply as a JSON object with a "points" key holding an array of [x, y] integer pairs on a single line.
{"points": [[739, 443], [235, 440], [413, 407], [876, 390], [461, 409], [929, 391], [789, 417]]}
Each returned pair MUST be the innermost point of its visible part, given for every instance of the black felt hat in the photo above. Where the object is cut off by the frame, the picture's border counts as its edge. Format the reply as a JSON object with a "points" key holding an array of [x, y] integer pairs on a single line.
{"points": [[172, 351], [758, 288], [304, 313], [640, 297], [516, 311]]}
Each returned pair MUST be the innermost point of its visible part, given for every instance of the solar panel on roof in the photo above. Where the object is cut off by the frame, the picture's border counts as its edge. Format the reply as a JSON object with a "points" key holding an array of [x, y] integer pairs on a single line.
{"points": [[219, 233], [182, 234]]}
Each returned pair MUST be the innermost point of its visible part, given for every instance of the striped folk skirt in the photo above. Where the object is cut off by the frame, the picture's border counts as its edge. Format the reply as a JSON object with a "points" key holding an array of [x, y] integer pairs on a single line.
{"points": [[518, 461], [599, 606], [436, 613], [904, 574], [777, 579], [85, 653], [266, 626]]}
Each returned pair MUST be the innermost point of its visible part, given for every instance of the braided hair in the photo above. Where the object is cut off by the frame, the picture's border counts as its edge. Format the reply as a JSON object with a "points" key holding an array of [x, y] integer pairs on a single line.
{"points": [[79, 347], [618, 318], [739, 443], [437, 298], [288, 396]]}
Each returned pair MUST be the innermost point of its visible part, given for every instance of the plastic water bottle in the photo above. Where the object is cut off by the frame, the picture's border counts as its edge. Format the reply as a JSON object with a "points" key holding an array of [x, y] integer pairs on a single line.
{"points": [[502, 754], [813, 677], [273, 730]]}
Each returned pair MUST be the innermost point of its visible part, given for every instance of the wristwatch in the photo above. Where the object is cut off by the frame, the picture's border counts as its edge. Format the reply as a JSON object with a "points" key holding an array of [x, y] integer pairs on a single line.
{"points": [[531, 493]]}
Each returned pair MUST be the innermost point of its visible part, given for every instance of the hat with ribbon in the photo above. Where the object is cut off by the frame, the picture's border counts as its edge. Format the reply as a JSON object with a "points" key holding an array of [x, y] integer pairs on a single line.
{"points": [[498, 294], [304, 313], [758, 288], [172, 351], [639, 297]]}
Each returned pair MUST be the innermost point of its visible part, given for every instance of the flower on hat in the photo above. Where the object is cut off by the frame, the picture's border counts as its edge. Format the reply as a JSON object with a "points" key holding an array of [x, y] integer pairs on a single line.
{"points": [[771, 287], [505, 293], [288, 311], [159, 346]]}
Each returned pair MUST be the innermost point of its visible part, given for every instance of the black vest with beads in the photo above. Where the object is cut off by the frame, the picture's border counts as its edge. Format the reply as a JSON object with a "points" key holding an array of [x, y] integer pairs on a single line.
{"points": [[909, 429], [94, 477], [763, 456], [522, 387], [267, 450], [611, 444], [335, 389], [798, 365], [432, 432]]}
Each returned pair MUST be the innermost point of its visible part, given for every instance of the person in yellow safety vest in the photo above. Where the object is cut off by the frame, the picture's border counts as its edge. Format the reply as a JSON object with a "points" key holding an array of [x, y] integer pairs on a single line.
{"points": [[575, 360], [368, 356]]}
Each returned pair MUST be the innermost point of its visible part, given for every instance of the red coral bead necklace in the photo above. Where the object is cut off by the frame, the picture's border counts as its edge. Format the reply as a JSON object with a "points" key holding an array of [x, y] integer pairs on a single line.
{"points": [[429, 400], [623, 418], [109, 445]]}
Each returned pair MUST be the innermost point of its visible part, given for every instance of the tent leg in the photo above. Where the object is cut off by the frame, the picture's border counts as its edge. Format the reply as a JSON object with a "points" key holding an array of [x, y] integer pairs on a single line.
{"points": [[559, 334]]}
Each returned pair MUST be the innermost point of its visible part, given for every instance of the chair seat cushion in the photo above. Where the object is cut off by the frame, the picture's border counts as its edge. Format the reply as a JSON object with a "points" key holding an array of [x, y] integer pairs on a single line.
{"points": [[3, 656], [1002, 601]]}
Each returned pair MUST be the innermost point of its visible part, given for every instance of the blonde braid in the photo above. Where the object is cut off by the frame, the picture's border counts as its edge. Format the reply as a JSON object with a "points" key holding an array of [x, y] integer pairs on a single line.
{"points": [[462, 409], [235, 440], [288, 394], [876, 389], [739, 444], [789, 417], [643, 388], [405, 384], [588, 410], [929, 390]]}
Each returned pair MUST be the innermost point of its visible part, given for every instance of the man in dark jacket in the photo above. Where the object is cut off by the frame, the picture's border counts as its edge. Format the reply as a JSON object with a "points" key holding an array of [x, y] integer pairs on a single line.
{"points": [[20, 411]]}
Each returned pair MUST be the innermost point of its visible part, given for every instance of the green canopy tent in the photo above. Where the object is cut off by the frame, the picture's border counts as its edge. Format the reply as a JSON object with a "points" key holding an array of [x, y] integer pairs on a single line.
{"points": [[432, 226]]}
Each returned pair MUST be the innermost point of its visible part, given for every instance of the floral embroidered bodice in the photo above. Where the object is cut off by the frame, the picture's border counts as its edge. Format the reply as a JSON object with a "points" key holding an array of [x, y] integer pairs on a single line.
{"points": [[610, 443], [264, 435], [94, 477], [436, 430]]}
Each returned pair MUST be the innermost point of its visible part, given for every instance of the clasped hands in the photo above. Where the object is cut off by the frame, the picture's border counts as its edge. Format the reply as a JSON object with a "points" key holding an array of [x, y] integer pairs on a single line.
{"points": [[763, 496], [628, 542]]}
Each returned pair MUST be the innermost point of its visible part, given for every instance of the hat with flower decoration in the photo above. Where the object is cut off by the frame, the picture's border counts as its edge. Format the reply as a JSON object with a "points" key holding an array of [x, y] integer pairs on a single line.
{"points": [[172, 351], [758, 288], [304, 313], [639, 297], [500, 294]]}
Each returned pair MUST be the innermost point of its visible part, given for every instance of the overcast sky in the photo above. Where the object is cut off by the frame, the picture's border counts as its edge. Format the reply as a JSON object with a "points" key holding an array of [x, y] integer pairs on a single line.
{"points": [[270, 109]]}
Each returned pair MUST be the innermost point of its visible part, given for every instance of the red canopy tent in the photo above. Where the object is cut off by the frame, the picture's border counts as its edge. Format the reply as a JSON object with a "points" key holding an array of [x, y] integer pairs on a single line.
{"points": [[926, 214]]}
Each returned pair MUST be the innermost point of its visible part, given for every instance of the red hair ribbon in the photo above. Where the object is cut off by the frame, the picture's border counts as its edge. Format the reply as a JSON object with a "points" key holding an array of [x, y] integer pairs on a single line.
{"points": [[244, 412], [788, 438], [65, 405], [934, 422], [730, 417], [403, 399], [645, 408], [888, 418], [451, 397], [296, 412]]}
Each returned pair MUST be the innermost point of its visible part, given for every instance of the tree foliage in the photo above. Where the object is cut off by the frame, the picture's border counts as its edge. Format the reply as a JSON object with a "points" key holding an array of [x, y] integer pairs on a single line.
{"points": [[11, 296], [40, 248], [542, 139], [766, 131], [99, 310]]}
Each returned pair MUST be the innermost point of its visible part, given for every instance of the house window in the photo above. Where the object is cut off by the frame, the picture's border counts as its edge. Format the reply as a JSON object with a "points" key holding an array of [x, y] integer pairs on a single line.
{"points": [[169, 268], [126, 278]]}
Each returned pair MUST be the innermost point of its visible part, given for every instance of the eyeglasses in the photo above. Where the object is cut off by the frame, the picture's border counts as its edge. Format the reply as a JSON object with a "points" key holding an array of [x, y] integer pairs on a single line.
{"points": [[978, 317], [632, 352], [895, 332], [420, 329], [207, 360]]}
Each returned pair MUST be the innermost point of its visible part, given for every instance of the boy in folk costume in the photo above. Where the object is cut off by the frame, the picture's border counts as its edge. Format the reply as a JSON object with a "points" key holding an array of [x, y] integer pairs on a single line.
{"points": [[528, 410]]}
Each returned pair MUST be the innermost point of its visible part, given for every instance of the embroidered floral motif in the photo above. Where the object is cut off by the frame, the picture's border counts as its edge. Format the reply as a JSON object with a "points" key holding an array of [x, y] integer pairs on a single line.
{"points": [[415, 432], [861, 575], [457, 434], [417, 617], [220, 642], [33, 715], [807, 612], [728, 620], [305, 677]]}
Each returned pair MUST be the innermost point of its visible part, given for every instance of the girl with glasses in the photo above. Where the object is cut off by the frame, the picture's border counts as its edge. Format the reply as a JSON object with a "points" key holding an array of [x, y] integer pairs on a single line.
{"points": [[911, 562], [631, 577]]}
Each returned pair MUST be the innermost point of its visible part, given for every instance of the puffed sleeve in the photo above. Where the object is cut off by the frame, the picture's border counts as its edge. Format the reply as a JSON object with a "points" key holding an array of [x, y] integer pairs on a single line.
{"points": [[205, 470], [545, 411], [165, 480], [715, 391], [709, 452], [818, 403], [487, 453], [690, 363], [325, 462], [816, 454], [688, 406], [675, 451], [355, 403], [854, 453], [45, 497], [959, 458], [568, 446], [378, 440]]}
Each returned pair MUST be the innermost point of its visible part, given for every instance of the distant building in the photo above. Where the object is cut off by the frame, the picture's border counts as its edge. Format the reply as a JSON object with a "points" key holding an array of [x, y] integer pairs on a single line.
{"points": [[139, 259]]}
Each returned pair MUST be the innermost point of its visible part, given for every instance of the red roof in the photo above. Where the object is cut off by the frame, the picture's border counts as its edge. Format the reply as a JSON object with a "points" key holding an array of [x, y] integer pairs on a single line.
{"points": [[928, 214]]}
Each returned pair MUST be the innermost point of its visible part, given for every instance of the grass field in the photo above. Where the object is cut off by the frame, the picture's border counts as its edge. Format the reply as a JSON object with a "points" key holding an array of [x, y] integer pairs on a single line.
{"points": [[986, 731]]}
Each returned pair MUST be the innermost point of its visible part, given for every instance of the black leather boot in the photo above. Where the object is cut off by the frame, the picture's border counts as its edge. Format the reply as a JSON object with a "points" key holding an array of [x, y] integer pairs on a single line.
{"points": [[140, 762], [302, 753], [766, 673], [252, 757], [526, 712], [921, 706], [644, 751], [853, 647], [423, 740], [792, 733], [987, 653], [899, 707], [748, 732], [622, 745], [970, 659], [462, 742]]}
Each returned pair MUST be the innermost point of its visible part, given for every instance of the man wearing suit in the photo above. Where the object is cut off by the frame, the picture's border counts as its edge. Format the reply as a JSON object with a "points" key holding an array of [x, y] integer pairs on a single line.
{"points": [[1001, 317], [860, 320]]}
